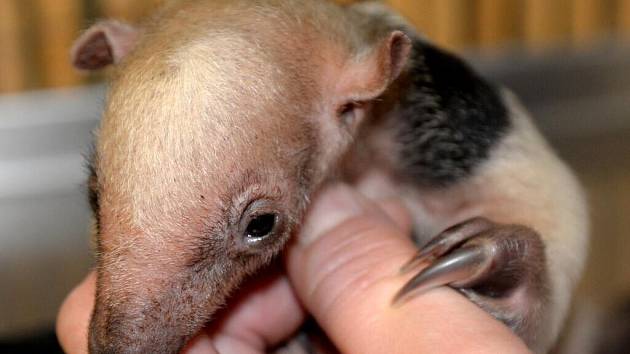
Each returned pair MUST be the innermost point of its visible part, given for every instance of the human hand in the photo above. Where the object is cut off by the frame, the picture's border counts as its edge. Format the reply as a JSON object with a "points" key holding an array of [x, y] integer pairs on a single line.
{"points": [[344, 270]]}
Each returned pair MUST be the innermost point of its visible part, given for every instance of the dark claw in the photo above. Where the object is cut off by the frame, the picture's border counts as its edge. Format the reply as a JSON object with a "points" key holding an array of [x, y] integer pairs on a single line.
{"points": [[459, 267], [425, 255], [499, 267], [450, 238]]}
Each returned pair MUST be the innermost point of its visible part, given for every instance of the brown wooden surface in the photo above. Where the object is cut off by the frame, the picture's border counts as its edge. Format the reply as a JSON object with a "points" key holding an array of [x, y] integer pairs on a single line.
{"points": [[546, 23], [590, 20], [621, 15], [131, 11], [12, 68], [454, 27], [421, 13], [59, 24], [36, 35], [499, 22]]}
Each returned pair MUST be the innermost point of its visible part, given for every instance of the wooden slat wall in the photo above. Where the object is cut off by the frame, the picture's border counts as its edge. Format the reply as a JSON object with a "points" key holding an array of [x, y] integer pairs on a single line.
{"points": [[127, 10], [546, 22], [59, 23], [498, 22], [622, 10], [589, 19], [454, 27], [420, 12], [35, 35], [12, 68]]}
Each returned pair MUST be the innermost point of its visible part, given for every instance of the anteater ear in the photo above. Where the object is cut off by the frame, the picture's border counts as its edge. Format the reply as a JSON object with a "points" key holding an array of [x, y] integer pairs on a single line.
{"points": [[368, 76], [105, 43]]}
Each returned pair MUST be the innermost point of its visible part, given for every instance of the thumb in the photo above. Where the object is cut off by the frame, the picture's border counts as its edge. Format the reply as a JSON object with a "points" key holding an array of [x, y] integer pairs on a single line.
{"points": [[344, 267], [348, 243]]}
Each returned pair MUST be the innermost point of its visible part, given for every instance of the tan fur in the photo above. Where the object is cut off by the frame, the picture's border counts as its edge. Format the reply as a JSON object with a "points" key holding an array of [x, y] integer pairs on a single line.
{"points": [[219, 104], [527, 184], [522, 183], [226, 101]]}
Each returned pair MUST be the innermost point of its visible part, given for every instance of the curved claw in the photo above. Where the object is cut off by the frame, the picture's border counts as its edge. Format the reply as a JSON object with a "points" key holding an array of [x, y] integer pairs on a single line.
{"points": [[460, 267], [426, 254], [448, 239]]}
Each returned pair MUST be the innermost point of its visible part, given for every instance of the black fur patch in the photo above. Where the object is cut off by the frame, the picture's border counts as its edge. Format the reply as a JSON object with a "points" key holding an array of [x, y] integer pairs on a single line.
{"points": [[93, 194], [451, 118]]}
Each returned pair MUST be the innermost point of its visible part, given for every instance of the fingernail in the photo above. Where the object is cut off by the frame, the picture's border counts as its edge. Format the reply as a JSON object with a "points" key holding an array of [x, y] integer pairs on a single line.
{"points": [[334, 205]]}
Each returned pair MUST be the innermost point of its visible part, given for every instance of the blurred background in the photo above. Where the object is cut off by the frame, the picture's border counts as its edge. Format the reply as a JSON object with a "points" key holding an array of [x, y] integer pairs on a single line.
{"points": [[569, 60]]}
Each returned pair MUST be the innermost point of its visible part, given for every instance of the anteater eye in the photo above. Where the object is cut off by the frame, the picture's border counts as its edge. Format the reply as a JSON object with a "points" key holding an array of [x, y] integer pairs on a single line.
{"points": [[261, 226]]}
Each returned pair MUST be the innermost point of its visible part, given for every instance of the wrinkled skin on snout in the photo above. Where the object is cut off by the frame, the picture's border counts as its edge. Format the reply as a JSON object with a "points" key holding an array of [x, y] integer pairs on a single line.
{"points": [[221, 120]]}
